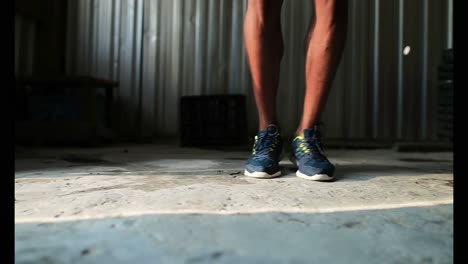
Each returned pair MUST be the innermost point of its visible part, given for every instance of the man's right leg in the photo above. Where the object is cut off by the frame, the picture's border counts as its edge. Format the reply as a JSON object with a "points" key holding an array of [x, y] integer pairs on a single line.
{"points": [[264, 47]]}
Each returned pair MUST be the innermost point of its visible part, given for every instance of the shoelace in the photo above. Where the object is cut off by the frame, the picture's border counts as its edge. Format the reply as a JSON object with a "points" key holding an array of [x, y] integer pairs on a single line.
{"points": [[312, 147], [264, 145]]}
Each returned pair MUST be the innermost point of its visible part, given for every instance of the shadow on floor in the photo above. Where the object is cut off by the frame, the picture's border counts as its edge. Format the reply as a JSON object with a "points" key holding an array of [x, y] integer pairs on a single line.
{"points": [[364, 172]]}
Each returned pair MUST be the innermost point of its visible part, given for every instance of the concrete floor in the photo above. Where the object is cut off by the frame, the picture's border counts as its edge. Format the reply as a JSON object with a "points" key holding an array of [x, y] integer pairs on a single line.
{"points": [[163, 204]]}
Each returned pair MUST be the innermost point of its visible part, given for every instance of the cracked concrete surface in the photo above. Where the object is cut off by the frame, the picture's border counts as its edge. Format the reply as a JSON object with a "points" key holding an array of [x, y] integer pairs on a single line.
{"points": [[164, 204]]}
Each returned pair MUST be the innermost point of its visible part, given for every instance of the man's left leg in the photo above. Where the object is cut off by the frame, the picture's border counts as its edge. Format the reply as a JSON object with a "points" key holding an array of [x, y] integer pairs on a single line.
{"points": [[324, 47]]}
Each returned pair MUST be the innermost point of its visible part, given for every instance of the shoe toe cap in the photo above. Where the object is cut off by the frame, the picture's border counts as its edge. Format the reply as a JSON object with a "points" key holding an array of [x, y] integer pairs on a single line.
{"points": [[318, 167]]}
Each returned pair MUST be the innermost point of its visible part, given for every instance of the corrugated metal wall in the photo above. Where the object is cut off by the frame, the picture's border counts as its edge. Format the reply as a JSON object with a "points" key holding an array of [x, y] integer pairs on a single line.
{"points": [[160, 50], [25, 36]]}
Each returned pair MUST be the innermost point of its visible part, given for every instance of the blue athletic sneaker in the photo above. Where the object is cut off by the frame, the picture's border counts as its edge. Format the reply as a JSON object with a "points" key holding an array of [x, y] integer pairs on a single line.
{"points": [[264, 161], [308, 156]]}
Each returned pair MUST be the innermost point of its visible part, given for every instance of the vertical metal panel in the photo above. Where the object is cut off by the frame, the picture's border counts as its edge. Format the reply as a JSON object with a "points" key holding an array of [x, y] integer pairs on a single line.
{"points": [[187, 44], [424, 55], [360, 72], [130, 64], [212, 49], [72, 35], [103, 37], [200, 47], [31, 45], [25, 40], [17, 42], [398, 52], [449, 24], [175, 63], [437, 40], [82, 34], [388, 70], [375, 72], [160, 50], [223, 44], [115, 47], [148, 88], [412, 68]]}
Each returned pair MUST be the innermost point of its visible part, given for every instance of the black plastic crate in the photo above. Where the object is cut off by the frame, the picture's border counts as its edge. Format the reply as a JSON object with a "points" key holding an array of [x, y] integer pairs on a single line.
{"points": [[213, 120], [64, 110]]}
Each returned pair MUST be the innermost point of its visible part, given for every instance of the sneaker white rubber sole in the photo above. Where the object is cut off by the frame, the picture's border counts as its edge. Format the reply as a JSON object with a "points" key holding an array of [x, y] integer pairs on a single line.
{"points": [[261, 174], [316, 177]]}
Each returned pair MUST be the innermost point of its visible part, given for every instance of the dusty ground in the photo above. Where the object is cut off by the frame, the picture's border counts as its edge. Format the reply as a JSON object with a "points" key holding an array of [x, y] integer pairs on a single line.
{"points": [[163, 204]]}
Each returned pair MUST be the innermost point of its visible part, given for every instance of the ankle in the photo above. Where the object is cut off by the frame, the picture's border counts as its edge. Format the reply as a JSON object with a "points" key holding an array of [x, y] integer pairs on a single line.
{"points": [[266, 125], [299, 132]]}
